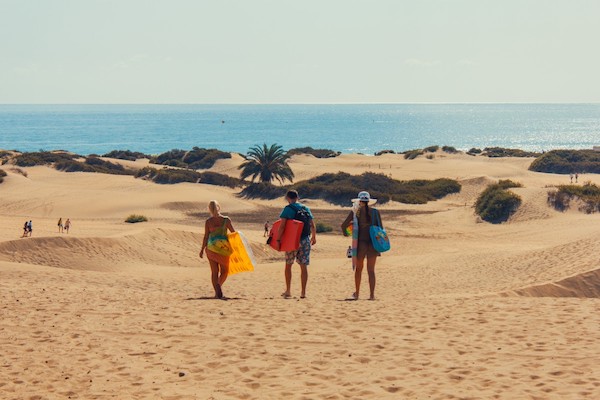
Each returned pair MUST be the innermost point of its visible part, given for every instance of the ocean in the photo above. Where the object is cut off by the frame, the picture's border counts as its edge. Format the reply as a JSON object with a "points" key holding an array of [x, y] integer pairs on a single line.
{"points": [[349, 128]]}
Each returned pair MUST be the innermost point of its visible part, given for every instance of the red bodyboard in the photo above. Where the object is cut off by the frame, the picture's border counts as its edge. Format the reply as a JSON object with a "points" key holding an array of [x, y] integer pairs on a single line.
{"points": [[290, 240]]}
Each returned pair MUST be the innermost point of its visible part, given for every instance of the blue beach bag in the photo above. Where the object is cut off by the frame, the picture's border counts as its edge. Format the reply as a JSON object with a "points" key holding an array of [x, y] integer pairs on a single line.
{"points": [[379, 237]]}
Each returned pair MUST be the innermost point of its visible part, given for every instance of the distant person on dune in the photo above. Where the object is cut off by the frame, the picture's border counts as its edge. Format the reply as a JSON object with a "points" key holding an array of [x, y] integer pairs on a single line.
{"points": [[60, 225], [30, 228], [266, 229], [217, 246], [25, 229], [67, 225], [361, 218]]}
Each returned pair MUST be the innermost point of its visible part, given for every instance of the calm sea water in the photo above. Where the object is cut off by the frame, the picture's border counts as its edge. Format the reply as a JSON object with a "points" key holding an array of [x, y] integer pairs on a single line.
{"points": [[86, 129]]}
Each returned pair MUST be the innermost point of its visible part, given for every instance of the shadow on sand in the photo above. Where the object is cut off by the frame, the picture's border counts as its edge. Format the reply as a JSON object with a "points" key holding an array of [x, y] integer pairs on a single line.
{"points": [[214, 298]]}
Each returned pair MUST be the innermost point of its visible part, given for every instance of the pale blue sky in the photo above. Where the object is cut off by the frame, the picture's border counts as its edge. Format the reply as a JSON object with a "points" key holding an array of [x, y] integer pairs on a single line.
{"points": [[303, 51]]}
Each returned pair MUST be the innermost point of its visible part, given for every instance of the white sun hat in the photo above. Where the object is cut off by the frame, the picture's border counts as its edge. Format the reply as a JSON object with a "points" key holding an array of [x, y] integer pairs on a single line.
{"points": [[365, 196]]}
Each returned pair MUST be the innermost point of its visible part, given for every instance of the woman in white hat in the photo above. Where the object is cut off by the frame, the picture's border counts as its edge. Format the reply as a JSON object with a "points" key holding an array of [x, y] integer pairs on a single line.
{"points": [[360, 218]]}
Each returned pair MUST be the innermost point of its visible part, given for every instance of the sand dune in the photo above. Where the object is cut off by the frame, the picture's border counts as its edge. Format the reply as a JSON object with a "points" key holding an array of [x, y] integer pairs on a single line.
{"points": [[465, 309]]}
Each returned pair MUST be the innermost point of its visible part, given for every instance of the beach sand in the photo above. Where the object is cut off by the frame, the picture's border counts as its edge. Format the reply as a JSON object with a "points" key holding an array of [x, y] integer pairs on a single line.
{"points": [[464, 309]]}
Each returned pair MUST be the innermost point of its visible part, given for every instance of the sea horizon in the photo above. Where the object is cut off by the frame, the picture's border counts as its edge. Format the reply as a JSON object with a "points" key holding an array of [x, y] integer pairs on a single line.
{"points": [[346, 127]]}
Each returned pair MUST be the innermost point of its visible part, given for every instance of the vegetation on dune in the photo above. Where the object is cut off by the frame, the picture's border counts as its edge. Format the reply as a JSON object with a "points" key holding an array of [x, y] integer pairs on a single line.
{"points": [[382, 152], [587, 196], [135, 218], [126, 155], [92, 164], [318, 153], [567, 161], [322, 227], [2, 175], [263, 190], [339, 188], [197, 158], [412, 154], [496, 152], [473, 151], [169, 176], [450, 149], [496, 204], [42, 158], [4, 156], [19, 171], [266, 163]]}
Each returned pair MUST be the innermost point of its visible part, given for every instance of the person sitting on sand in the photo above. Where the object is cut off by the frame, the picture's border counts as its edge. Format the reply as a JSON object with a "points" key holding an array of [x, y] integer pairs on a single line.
{"points": [[60, 225], [67, 225], [216, 226], [361, 218], [295, 210]]}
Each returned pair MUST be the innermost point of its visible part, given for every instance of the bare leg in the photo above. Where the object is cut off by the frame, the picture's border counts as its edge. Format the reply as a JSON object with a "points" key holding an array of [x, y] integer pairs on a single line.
{"points": [[371, 260], [304, 278], [288, 280], [360, 262], [224, 274], [214, 276]]}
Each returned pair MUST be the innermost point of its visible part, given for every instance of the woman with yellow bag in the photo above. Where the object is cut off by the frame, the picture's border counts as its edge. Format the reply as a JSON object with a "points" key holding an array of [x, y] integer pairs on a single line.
{"points": [[217, 246]]}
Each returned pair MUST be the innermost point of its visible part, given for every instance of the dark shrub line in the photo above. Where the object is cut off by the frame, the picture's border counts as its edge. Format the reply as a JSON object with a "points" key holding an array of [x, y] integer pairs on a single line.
{"points": [[168, 176], [318, 153], [339, 188], [197, 158]]}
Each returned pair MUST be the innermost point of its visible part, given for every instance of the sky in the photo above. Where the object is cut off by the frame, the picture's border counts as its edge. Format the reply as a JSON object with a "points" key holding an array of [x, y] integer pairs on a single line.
{"points": [[303, 51]]}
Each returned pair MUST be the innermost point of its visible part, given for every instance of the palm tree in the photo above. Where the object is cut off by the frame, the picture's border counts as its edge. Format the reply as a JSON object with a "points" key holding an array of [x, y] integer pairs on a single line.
{"points": [[267, 164]]}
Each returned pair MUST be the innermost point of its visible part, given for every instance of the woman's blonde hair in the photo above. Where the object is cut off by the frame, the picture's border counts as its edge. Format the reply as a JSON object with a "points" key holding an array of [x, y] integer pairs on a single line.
{"points": [[214, 208]]}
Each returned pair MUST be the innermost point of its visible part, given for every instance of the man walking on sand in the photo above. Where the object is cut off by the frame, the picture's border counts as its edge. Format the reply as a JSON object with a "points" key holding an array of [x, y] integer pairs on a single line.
{"points": [[308, 238]]}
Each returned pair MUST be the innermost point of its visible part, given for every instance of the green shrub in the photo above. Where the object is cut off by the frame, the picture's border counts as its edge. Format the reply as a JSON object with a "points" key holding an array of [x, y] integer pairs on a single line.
{"points": [[341, 187], [449, 149], [412, 154], [73, 166], [196, 158], [496, 152], [508, 184], [588, 195], [2, 175], [171, 176], [473, 151], [126, 155], [263, 190], [42, 158], [135, 218], [431, 149], [496, 203], [93, 164], [168, 175], [318, 153], [567, 162], [382, 152], [323, 227], [214, 178]]}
